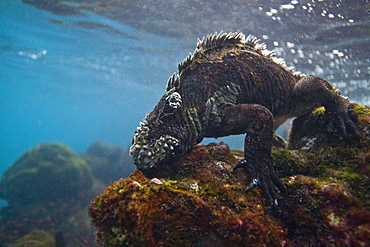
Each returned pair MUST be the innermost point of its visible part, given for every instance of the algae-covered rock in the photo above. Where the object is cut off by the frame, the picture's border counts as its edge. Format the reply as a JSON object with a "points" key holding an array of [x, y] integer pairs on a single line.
{"points": [[36, 238], [311, 130], [47, 173], [46, 189], [66, 222], [204, 205], [199, 200], [329, 157], [20, 220], [328, 200], [323, 212]]}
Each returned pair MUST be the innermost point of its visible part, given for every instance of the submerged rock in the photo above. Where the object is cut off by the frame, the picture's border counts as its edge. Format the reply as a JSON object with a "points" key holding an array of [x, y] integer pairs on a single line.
{"points": [[49, 172], [36, 238], [46, 189], [327, 176], [323, 212], [329, 157], [308, 131], [199, 200], [204, 203]]}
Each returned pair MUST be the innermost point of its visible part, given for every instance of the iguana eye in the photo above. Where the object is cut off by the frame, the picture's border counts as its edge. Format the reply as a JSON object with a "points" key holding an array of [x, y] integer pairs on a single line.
{"points": [[173, 102]]}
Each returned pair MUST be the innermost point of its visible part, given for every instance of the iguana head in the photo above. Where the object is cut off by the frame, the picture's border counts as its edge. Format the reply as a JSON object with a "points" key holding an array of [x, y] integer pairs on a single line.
{"points": [[164, 133]]}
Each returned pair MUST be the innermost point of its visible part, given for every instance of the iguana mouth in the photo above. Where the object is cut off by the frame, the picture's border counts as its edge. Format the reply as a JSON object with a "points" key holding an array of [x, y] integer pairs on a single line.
{"points": [[146, 155]]}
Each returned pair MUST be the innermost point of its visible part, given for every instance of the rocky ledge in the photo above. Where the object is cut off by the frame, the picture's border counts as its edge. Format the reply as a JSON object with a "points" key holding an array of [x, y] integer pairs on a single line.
{"points": [[200, 201]]}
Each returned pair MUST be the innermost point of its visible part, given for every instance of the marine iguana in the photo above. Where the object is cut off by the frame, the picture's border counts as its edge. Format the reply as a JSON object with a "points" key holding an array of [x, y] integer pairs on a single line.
{"points": [[233, 85]]}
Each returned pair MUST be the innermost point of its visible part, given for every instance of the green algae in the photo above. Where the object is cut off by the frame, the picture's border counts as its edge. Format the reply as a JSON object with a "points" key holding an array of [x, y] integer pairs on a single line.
{"points": [[340, 164], [36, 238], [362, 110], [328, 184], [316, 208], [184, 211], [47, 172], [326, 204], [47, 189], [313, 209]]}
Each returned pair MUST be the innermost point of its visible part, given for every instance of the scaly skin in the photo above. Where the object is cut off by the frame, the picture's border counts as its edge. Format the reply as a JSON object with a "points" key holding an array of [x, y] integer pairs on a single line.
{"points": [[232, 85]]}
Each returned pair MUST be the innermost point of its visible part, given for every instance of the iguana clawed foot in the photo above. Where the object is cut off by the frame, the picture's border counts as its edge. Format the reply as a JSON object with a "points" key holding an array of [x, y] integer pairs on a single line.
{"points": [[341, 124], [264, 177]]}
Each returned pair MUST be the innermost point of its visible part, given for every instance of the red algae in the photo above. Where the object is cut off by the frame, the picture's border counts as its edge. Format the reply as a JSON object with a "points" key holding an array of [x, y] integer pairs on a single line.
{"points": [[137, 211], [198, 200]]}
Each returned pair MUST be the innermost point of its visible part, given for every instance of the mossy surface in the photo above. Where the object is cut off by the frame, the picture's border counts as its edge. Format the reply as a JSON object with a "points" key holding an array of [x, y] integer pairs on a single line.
{"points": [[199, 200], [328, 184], [320, 212], [47, 173], [344, 161], [209, 206], [46, 189], [312, 130], [36, 238]]}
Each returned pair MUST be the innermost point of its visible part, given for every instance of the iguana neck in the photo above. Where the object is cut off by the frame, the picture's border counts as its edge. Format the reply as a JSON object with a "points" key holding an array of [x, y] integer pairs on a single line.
{"points": [[196, 125], [210, 112]]}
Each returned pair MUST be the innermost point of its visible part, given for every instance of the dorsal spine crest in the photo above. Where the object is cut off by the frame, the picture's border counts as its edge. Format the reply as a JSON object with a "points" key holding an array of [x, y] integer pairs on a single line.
{"points": [[221, 40], [173, 82]]}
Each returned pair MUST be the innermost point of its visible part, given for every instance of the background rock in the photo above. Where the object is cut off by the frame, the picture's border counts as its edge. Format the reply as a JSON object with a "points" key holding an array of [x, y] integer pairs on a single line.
{"points": [[47, 190], [49, 172]]}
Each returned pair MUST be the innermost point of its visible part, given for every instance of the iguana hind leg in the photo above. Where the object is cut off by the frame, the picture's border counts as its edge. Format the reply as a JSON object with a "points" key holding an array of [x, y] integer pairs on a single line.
{"points": [[257, 122], [312, 91]]}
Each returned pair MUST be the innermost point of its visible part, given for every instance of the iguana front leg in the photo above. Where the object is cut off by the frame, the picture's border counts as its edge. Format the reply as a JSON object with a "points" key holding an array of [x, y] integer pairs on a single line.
{"points": [[257, 122]]}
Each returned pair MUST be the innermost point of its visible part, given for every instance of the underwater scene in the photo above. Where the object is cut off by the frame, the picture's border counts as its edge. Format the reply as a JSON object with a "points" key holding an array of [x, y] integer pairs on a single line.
{"points": [[112, 134]]}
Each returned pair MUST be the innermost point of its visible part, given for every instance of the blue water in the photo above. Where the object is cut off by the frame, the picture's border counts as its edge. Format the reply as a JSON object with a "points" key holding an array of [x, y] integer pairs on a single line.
{"points": [[72, 84]]}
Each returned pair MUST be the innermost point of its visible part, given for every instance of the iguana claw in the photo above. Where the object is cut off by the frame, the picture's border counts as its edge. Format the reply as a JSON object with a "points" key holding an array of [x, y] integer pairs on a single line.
{"points": [[264, 178], [252, 185]]}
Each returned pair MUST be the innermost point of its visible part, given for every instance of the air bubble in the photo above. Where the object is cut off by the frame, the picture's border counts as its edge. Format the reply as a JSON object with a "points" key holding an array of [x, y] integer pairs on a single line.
{"points": [[289, 44], [287, 6]]}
